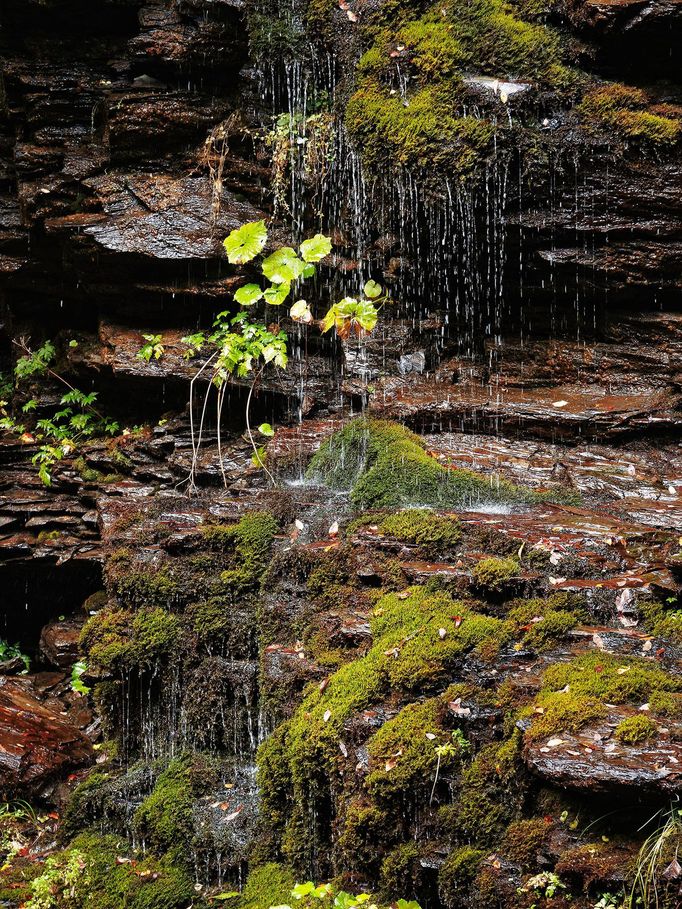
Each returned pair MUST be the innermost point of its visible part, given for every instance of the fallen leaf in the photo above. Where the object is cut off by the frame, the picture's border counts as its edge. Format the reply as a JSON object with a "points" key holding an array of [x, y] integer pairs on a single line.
{"points": [[327, 715], [323, 685], [559, 403], [554, 743], [334, 529], [646, 646], [233, 814], [441, 633]]}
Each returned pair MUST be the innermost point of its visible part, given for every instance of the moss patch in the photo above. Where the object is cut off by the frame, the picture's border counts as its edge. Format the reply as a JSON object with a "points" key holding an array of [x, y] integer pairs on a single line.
{"points": [[636, 729], [623, 109], [387, 466]]}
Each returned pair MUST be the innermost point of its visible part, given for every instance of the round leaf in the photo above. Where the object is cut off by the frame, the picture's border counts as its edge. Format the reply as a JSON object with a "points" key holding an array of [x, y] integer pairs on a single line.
{"points": [[373, 290], [265, 429], [300, 312], [277, 294], [316, 248], [283, 265], [246, 242], [248, 294], [366, 315]]}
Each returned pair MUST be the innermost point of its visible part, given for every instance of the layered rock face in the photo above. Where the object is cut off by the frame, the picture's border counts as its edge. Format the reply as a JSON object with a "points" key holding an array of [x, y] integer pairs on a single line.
{"points": [[206, 679]]}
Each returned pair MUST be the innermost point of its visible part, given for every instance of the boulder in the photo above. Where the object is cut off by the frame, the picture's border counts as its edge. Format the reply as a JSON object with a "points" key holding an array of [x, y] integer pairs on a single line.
{"points": [[37, 744]]}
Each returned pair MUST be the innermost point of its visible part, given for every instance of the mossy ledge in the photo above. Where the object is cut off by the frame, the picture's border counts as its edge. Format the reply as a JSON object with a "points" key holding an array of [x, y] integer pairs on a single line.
{"points": [[386, 465]]}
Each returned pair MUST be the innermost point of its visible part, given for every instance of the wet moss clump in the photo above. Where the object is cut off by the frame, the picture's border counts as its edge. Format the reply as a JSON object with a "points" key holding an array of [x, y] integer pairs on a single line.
{"points": [[626, 110], [494, 574], [164, 819], [267, 885], [636, 729], [418, 638], [662, 622], [575, 694], [115, 640], [387, 466], [434, 534], [248, 544], [423, 123], [97, 871], [457, 873]]}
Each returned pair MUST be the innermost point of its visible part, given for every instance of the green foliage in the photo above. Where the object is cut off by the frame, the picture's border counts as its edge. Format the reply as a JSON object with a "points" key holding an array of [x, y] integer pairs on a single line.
{"points": [[310, 895], [77, 684], [387, 466], [152, 348], [245, 243], [636, 729], [74, 422], [96, 872], [13, 651]]}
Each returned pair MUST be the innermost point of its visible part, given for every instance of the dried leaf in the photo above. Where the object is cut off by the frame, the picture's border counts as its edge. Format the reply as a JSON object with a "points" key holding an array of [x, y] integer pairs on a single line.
{"points": [[327, 715]]}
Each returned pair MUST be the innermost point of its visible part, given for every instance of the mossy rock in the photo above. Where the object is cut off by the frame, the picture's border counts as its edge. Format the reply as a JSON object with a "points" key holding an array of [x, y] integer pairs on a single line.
{"points": [[97, 871], [386, 466]]}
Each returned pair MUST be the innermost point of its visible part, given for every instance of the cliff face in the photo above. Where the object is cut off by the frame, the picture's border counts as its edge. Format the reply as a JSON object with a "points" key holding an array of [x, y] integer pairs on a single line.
{"points": [[443, 708]]}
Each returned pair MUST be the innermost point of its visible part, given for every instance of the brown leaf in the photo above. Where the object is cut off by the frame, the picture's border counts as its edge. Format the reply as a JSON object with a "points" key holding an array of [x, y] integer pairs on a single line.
{"points": [[323, 684]]}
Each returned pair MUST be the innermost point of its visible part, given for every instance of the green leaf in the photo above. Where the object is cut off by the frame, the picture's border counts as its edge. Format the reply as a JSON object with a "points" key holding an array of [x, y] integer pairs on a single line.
{"points": [[283, 265], [300, 312], [373, 290], [309, 270], [316, 248], [266, 430], [328, 320], [229, 895], [248, 294], [73, 343], [277, 294], [77, 671], [366, 315], [246, 242]]}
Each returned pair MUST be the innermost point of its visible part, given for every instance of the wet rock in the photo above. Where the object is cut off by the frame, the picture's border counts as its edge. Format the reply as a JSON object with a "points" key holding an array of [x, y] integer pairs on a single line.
{"points": [[36, 743], [59, 642], [162, 217], [593, 760]]}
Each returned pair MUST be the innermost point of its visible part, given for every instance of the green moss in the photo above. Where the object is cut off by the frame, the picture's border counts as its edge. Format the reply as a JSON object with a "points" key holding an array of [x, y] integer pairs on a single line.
{"points": [[523, 841], [387, 466], [434, 534], [417, 640], [428, 126], [667, 704], [623, 108], [457, 873], [116, 639], [494, 574], [563, 711], [402, 758], [135, 589], [575, 694], [365, 828], [90, 874], [268, 885], [248, 543], [164, 819], [401, 871], [597, 674], [662, 622], [490, 795], [636, 729], [545, 634]]}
